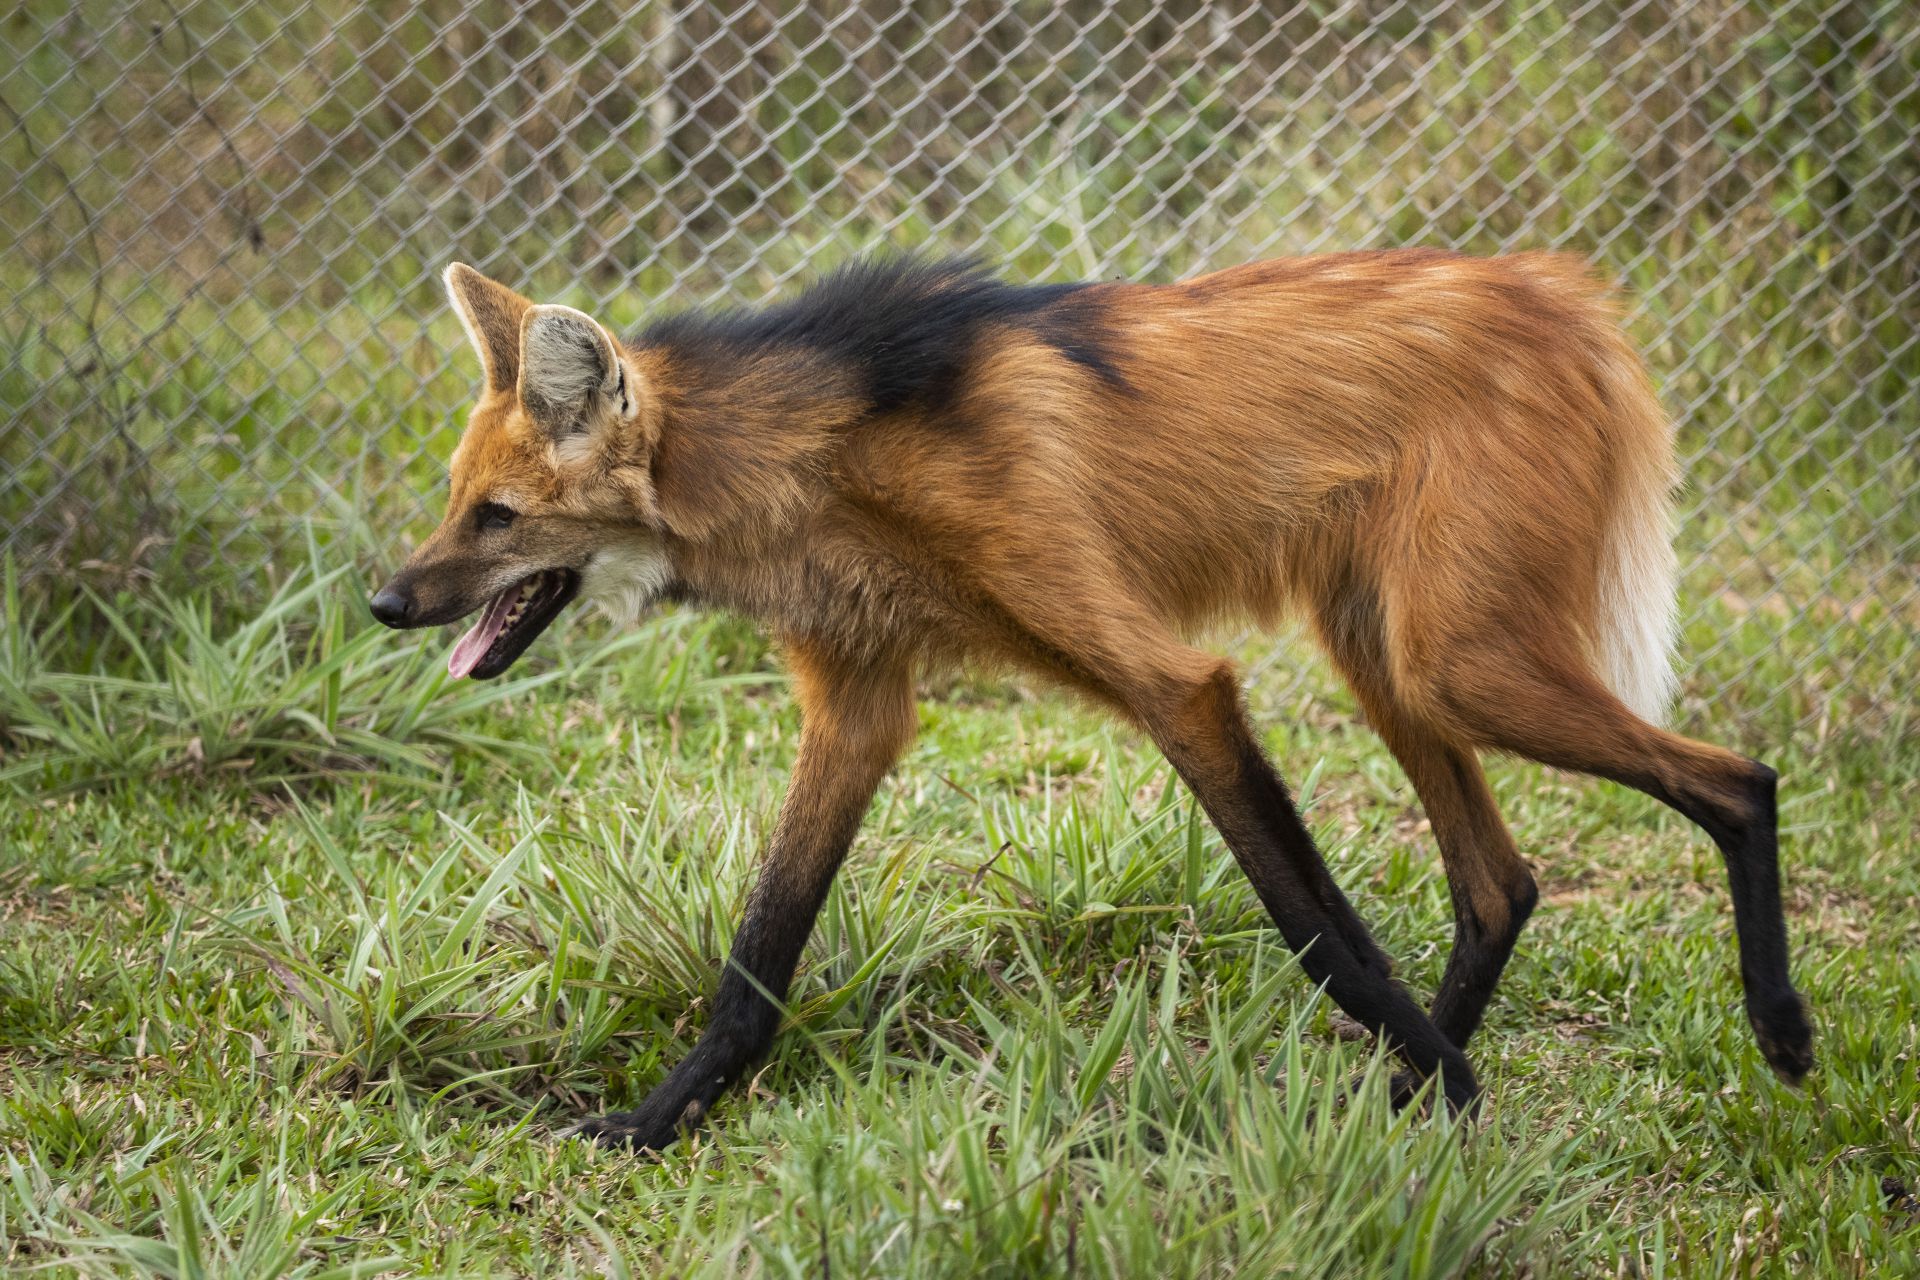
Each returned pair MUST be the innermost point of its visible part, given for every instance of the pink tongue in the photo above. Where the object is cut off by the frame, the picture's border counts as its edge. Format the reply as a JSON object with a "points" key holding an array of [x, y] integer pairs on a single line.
{"points": [[473, 646]]}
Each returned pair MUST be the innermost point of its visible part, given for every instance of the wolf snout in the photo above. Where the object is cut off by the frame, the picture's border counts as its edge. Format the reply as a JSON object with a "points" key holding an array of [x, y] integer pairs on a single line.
{"points": [[392, 606]]}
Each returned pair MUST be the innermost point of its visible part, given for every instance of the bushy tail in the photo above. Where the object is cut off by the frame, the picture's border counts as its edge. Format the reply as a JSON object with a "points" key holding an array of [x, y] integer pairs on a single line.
{"points": [[1636, 620]]}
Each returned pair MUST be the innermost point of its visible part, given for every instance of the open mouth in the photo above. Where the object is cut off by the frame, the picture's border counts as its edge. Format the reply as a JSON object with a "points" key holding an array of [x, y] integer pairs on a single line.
{"points": [[511, 621]]}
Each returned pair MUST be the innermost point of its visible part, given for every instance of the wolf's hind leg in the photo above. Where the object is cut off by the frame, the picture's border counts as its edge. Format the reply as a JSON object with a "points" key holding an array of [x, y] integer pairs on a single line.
{"points": [[1549, 708], [1203, 730], [855, 723], [1492, 888]]}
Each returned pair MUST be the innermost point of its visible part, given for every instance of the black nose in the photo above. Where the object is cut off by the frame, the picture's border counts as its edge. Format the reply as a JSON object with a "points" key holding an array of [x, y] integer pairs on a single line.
{"points": [[391, 607]]}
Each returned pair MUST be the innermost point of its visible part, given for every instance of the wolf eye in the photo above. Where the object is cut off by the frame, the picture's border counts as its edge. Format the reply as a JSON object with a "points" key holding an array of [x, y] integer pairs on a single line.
{"points": [[491, 515]]}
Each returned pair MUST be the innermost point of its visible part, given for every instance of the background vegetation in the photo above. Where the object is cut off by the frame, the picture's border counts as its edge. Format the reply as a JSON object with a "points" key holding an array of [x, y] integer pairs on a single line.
{"points": [[306, 955]]}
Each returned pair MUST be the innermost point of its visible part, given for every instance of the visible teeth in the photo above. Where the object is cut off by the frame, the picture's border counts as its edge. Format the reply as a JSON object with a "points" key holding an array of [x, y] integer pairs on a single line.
{"points": [[528, 590]]}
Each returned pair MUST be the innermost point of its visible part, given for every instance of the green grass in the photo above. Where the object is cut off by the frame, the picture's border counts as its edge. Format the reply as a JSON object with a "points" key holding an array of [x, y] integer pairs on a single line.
{"points": [[324, 1013]]}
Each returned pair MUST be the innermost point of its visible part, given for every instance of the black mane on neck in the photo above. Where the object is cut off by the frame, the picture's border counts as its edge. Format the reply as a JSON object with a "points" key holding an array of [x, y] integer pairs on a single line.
{"points": [[904, 328]]}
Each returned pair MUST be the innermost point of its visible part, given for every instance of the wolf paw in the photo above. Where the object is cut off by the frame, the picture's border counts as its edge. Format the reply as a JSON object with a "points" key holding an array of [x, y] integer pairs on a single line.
{"points": [[649, 1127], [1785, 1035], [1402, 1088]]}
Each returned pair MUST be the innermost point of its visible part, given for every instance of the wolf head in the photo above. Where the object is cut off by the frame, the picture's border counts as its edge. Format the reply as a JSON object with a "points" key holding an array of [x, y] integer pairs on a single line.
{"points": [[551, 495]]}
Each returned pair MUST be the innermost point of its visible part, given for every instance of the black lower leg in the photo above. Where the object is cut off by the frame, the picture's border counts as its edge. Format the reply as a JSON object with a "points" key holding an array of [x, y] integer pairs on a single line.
{"points": [[1481, 949], [1747, 833], [746, 1014], [1281, 819], [1356, 977], [854, 726], [1248, 803]]}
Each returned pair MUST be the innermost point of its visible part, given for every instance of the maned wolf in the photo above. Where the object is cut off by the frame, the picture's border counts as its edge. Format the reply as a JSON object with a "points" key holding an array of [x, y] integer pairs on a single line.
{"points": [[1454, 466]]}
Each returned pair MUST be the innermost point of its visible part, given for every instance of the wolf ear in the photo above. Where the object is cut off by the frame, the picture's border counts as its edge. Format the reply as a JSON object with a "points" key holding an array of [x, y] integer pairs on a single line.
{"points": [[491, 313], [569, 368]]}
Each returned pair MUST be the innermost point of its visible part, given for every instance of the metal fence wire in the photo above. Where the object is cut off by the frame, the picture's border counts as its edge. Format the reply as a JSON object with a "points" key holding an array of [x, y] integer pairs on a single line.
{"points": [[225, 220]]}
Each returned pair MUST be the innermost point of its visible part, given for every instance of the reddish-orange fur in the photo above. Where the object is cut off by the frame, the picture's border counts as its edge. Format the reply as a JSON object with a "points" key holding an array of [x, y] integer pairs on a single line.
{"points": [[1429, 455]]}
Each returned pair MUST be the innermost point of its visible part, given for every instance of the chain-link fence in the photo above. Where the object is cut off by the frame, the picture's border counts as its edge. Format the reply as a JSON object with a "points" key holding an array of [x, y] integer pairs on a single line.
{"points": [[225, 221]]}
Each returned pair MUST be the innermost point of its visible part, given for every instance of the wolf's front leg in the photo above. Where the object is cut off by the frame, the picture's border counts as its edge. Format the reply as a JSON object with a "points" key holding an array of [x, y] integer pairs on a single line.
{"points": [[855, 720]]}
